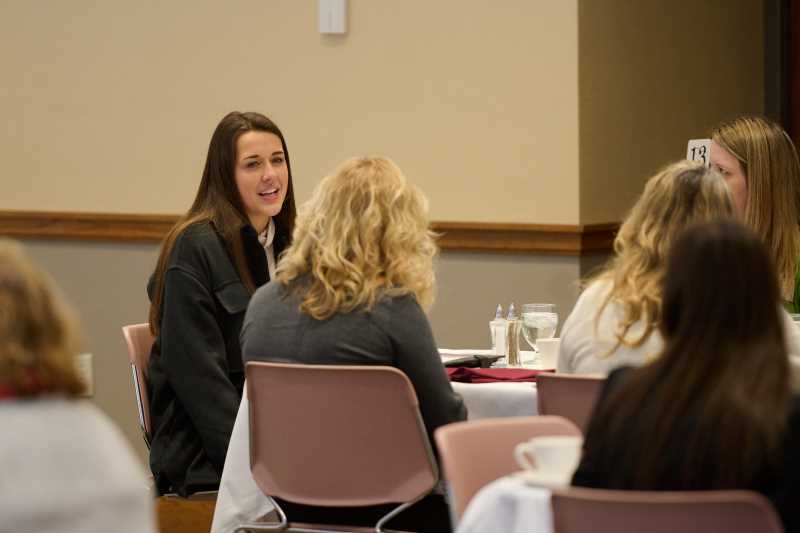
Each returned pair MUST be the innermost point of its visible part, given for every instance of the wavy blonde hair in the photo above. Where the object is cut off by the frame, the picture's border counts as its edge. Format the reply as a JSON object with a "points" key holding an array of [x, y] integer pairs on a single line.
{"points": [[679, 195], [362, 235], [38, 333], [770, 164]]}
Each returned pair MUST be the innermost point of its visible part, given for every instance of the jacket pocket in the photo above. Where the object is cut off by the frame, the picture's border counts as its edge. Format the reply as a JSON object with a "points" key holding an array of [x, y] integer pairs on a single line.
{"points": [[233, 298]]}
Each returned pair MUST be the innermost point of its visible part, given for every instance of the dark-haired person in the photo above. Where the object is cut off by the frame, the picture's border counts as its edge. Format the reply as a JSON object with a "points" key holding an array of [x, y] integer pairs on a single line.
{"points": [[210, 264], [716, 410], [64, 466]]}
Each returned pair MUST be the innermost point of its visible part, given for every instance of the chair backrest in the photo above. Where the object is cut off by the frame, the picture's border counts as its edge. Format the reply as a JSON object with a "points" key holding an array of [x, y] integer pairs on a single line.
{"points": [[139, 341], [569, 395], [475, 453], [582, 510], [337, 435]]}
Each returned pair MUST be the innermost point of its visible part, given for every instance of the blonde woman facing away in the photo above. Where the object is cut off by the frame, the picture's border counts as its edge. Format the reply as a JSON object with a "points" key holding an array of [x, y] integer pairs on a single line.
{"points": [[351, 290], [759, 162], [615, 320], [65, 466]]}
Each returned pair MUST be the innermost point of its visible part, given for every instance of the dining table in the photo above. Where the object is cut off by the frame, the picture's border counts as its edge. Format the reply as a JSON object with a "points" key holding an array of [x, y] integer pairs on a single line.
{"points": [[508, 505]]}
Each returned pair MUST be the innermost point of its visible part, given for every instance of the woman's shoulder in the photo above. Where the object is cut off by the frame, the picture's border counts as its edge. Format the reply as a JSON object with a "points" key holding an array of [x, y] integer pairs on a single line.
{"points": [[198, 235], [597, 289], [199, 243], [62, 446], [398, 310], [399, 303], [273, 291]]}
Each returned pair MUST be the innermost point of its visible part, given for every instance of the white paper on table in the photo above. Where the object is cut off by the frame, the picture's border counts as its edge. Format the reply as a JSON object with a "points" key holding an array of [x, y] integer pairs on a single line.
{"points": [[449, 354]]}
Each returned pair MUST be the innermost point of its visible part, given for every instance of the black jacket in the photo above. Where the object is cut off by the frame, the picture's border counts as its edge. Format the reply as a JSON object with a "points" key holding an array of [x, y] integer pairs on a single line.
{"points": [[196, 373]]}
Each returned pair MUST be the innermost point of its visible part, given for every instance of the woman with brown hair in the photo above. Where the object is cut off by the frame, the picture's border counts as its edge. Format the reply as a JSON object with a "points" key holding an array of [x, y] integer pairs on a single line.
{"points": [[715, 411], [759, 162], [65, 466], [211, 262]]}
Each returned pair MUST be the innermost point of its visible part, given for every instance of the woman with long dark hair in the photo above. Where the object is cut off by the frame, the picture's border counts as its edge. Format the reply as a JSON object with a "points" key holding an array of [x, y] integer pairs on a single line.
{"points": [[716, 410], [211, 262]]}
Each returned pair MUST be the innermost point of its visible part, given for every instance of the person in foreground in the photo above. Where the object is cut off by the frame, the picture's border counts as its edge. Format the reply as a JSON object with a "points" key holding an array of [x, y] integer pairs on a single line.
{"points": [[351, 290], [759, 162], [615, 320], [65, 466], [715, 411], [210, 263]]}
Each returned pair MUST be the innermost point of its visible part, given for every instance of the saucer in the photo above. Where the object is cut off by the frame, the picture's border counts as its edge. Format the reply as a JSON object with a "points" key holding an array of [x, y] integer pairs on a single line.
{"points": [[548, 480]]}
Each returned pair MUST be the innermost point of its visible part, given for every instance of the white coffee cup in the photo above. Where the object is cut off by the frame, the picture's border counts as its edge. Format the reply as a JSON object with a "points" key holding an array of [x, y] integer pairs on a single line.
{"points": [[548, 352], [551, 457]]}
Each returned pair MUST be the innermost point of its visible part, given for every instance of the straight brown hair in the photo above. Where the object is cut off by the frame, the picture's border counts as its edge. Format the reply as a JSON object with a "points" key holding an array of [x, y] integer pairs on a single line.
{"points": [[218, 201], [772, 170]]}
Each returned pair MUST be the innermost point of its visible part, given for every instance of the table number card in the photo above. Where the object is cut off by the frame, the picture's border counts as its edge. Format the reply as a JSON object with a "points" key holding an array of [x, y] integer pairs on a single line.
{"points": [[699, 150]]}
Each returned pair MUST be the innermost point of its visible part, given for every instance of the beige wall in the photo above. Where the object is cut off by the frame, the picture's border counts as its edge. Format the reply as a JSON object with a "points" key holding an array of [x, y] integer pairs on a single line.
{"points": [[506, 111], [108, 106], [652, 75]]}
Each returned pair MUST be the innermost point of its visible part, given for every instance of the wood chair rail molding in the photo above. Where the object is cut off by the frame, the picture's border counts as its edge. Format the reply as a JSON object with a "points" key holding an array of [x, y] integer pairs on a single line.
{"points": [[558, 239]]}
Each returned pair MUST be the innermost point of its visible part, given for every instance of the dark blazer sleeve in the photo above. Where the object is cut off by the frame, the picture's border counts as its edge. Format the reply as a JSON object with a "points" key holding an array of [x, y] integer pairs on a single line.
{"points": [[194, 358], [417, 356]]}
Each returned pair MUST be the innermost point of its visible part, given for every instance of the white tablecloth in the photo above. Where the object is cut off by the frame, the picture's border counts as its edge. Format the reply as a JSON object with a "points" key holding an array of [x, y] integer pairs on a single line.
{"points": [[508, 505], [492, 400], [240, 500]]}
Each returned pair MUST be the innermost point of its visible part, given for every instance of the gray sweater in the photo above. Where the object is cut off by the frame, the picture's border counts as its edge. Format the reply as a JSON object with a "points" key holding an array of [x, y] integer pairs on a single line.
{"points": [[395, 333]]}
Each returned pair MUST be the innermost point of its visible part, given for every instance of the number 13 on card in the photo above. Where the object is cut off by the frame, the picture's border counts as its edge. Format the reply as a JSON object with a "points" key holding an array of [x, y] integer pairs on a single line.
{"points": [[699, 150]]}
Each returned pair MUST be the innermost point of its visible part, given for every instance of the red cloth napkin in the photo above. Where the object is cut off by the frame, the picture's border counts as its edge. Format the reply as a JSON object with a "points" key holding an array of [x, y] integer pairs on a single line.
{"points": [[491, 375]]}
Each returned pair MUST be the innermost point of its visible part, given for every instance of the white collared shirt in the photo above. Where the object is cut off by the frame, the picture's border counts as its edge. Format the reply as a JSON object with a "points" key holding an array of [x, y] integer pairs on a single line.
{"points": [[265, 238]]}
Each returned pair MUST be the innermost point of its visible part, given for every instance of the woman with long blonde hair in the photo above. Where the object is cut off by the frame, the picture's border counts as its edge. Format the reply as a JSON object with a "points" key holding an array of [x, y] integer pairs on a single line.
{"points": [[351, 290], [65, 466], [615, 320], [759, 162]]}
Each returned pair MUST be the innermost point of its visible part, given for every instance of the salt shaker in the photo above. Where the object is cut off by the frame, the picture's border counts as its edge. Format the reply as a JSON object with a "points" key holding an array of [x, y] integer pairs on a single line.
{"points": [[497, 330]]}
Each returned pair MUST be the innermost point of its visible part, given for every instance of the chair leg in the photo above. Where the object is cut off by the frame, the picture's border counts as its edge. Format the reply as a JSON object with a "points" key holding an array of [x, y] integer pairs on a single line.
{"points": [[394, 512], [282, 524]]}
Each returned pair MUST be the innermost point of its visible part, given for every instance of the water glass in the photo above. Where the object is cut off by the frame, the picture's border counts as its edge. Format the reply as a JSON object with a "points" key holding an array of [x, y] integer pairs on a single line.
{"points": [[539, 321]]}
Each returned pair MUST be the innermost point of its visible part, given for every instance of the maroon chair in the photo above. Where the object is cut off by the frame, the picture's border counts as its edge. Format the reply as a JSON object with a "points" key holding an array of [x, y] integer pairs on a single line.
{"points": [[139, 341], [582, 510], [569, 395], [336, 435], [475, 453]]}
